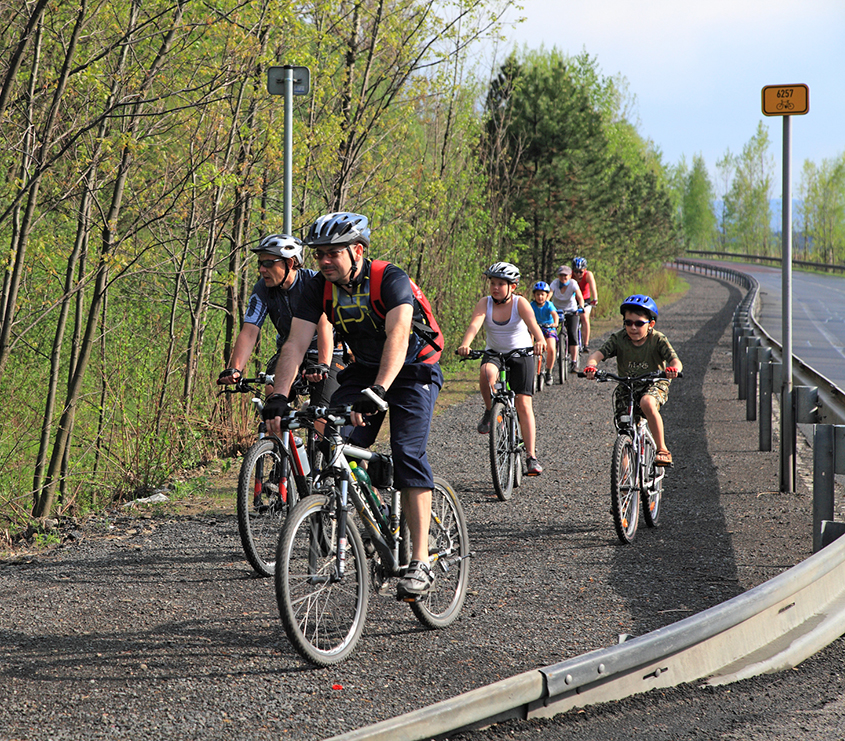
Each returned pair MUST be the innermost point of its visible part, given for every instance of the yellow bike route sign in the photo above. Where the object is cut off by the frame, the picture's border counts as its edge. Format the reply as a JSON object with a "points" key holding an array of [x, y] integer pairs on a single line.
{"points": [[786, 100]]}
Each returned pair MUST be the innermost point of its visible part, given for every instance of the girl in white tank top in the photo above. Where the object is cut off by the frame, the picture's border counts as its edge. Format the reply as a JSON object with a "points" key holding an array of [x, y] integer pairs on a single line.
{"points": [[515, 328]]}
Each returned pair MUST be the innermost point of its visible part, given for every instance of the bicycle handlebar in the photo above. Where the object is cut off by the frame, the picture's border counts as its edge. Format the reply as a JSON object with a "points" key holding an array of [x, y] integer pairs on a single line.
{"points": [[604, 375], [475, 354]]}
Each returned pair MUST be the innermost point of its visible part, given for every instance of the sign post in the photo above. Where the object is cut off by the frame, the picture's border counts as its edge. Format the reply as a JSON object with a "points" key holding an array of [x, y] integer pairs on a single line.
{"points": [[288, 81], [786, 101]]}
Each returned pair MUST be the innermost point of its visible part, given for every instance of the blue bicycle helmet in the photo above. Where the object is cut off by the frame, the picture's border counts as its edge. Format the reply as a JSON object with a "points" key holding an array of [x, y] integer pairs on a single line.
{"points": [[579, 263], [540, 285], [639, 301]]}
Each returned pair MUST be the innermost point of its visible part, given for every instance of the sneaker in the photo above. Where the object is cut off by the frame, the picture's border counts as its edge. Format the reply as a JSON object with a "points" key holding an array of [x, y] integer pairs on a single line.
{"points": [[484, 425], [416, 582], [573, 366], [549, 380], [585, 349], [533, 467]]}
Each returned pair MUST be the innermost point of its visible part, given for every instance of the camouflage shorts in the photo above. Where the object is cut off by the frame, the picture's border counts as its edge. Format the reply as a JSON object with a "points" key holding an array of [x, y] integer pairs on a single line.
{"points": [[658, 389]]}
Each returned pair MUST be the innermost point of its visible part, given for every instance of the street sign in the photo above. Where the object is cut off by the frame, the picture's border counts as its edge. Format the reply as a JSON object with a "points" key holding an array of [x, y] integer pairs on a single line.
{"points": [[276, 80], [786, 100]]}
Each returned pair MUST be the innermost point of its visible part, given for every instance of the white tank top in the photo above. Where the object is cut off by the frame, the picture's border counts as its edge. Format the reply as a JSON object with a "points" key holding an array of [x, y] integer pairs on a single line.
{"points": [[508, 336], [563, 297]]}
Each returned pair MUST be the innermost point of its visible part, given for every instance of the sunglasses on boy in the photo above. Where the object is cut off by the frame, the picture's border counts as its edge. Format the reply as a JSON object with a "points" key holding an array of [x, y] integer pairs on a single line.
{"points": [[635, 322]]}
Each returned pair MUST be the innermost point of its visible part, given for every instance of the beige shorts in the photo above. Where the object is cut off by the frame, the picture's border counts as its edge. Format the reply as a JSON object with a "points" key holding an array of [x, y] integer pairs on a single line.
{"points": [[658, 389]]}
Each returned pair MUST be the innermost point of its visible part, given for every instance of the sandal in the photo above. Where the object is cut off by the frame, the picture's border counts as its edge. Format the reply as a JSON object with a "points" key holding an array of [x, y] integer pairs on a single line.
{"points": [[663, 458]]}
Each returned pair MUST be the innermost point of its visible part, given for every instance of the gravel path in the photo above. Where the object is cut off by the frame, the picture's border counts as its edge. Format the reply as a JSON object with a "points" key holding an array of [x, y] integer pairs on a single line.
{"points": [[152, 625]]}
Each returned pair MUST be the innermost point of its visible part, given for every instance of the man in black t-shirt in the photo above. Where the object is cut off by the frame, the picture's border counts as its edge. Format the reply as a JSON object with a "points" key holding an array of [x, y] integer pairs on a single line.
{"points": [[275, 294], [387, 361]]}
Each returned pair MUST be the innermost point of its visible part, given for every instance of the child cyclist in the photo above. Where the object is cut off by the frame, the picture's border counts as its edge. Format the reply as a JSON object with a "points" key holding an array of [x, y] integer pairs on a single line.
{"points": [[569, 302], [547, 318], [639, 350], [509, 324]]}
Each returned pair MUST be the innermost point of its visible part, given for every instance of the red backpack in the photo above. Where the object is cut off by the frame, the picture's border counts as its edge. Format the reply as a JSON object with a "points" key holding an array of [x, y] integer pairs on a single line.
{"points": [[425, 328]]}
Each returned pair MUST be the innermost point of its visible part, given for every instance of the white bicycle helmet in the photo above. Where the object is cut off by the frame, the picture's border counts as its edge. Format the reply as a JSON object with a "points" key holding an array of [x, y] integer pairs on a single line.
{"points": [[504, 271], [281, 245]]}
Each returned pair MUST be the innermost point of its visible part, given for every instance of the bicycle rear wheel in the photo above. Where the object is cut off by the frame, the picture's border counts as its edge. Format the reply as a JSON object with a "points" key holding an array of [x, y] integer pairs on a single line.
{"points": [[266, 491], [323, 615], [651, 493], [448, 551], [561, 361], [501, 455], [624, 492]]}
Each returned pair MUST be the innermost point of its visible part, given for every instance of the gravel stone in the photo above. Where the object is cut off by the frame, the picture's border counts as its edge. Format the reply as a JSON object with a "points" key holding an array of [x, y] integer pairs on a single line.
{"points": [[149, 623]]}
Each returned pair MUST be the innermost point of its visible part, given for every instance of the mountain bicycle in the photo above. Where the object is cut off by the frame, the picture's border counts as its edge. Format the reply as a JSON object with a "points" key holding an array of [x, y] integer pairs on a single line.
{"points": [[633, 475], [274, 476], [563, 363], [540, 372], [322, 581], [506, 443]]}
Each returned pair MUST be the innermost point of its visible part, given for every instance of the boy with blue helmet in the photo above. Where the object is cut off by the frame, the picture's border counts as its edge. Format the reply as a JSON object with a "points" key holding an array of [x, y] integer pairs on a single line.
{"points": [[546, 316], [639, 350]]}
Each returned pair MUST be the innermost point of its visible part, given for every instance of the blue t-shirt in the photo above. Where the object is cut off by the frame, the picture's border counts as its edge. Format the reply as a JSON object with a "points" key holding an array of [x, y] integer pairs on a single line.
{"points": [[278, 304], [355, 321], [543, 314]]}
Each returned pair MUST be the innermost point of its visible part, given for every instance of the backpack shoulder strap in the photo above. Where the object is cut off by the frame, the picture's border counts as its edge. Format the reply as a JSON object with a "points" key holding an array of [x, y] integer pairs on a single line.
{"points": [[328, 300], [377, 268]]}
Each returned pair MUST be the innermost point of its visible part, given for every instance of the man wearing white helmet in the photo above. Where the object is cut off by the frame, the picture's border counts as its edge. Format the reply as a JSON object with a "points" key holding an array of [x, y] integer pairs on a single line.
{"points": [[275, 294]]}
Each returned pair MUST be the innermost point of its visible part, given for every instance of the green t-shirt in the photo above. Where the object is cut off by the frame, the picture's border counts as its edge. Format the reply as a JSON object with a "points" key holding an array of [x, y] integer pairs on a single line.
{"points": [[653, 355]]}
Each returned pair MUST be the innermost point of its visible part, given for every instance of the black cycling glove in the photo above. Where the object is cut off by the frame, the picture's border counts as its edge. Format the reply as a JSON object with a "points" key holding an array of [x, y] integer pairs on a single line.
{"points": [[365, 405], [276, 405], [316, 368], [232, 373]]}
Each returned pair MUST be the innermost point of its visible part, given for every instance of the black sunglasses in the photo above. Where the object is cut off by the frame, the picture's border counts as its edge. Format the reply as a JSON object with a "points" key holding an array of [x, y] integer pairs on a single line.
{"points": [[269, 263], [635, 322]]}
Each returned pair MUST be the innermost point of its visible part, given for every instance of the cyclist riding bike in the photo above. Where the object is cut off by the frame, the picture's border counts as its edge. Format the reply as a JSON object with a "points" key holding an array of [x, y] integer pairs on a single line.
{"points": [[394, 359], [569, 301], [547, 318], [640, 349], [275, 294], [509, 324], [587, 283]]}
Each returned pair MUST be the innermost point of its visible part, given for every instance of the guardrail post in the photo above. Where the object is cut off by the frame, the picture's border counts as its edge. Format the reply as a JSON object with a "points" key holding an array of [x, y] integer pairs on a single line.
{"points": [[828, 529], [744, 343], [766, 387], [751, 379], [806, 404], [824, 467], [739, 350]]}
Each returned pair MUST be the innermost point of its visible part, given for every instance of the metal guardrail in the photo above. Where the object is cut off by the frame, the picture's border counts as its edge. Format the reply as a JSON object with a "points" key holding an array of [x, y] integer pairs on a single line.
{"points": [[772, 627], [828, 267]]}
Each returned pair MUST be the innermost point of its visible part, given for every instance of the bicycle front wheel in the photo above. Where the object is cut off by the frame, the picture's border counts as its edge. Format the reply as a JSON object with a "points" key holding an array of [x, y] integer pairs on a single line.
{"points": [[624, 492], [652, 492], [501, 453], [265, 493], [448, 552], [323, 613]]}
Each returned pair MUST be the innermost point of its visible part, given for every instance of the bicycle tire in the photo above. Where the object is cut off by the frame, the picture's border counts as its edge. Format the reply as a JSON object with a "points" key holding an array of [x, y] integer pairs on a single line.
{"points": [[561, 363], [624, 493], [501, 457], [651, 494], [519, 447], [259, 523], [448, 550], [323, 619]]}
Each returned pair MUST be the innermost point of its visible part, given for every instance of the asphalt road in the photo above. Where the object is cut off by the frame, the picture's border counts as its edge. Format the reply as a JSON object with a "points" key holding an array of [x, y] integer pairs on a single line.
{"points": [[818, 316]]}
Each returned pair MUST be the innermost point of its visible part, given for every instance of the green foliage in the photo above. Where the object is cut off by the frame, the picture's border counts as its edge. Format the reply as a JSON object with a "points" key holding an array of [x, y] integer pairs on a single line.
{"points": [[822, 194], [747, 217], [697, 215]]}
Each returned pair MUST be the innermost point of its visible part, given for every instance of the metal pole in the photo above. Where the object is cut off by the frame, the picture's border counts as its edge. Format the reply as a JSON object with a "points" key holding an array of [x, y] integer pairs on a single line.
{"points": [[288, 147], [787, 415]]}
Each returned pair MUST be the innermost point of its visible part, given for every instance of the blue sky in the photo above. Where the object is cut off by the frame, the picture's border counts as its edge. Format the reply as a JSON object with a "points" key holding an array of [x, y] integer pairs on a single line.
{"points": [[697, 68]]}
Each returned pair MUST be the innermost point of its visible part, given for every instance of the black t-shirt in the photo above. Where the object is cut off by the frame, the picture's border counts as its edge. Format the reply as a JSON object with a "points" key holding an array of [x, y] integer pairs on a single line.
{"points": [[278, 304], [355, 321]]}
